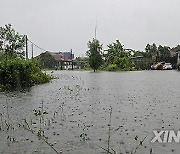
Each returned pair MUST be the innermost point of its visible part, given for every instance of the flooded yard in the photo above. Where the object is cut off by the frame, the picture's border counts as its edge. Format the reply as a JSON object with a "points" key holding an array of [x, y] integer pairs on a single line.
{"points": [[72, 114]]}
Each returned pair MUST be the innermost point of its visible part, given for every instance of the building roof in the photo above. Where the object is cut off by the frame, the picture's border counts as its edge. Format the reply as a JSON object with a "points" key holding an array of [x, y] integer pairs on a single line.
{"points": [[62, 56], [58, 56]]}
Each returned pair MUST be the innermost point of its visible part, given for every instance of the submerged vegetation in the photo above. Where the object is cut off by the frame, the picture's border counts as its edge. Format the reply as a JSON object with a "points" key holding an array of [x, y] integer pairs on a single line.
{"points": [[18, 74]]}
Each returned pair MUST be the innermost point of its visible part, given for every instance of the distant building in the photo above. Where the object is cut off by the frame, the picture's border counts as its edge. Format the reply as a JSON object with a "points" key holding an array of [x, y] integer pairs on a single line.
{"points": [[58, 56], [63, 59], [81, 62], [141, 62], [62, 56], [68, 55], [138, 59], [175, 58], [178, 60]]}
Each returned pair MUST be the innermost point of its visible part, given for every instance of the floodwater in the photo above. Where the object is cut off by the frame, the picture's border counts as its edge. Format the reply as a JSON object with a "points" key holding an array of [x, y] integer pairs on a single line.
{"points": [[73, 114]]}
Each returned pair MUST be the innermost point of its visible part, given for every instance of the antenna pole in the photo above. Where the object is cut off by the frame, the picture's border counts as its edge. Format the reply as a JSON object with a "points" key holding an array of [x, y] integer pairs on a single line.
{"points": [[96, 26], [32, 51], [72, 59], [26, 47]]}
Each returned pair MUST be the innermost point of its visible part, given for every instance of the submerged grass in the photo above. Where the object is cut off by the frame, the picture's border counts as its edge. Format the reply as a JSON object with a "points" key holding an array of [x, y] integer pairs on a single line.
{"points": [[7, 124], [39, 132], [110, 150]]}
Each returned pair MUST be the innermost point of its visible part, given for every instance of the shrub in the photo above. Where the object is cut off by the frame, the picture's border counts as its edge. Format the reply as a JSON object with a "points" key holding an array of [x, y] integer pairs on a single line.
{"points": [[19, 74], [112, 67], [122, 63]]}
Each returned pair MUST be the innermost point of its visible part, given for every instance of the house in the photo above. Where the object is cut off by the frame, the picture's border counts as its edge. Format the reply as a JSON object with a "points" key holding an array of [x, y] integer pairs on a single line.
{"points": [[178, 60], [141, 62], [62, 60], [175, 58]]}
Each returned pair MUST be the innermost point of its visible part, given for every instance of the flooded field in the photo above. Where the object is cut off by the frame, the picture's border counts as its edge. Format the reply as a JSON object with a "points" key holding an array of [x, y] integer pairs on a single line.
{"points": [[72, 114]]}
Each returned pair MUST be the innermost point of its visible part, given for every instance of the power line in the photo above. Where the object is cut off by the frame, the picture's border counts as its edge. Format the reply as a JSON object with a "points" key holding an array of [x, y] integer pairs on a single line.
{"points": [[32, 43], [36, 45]]}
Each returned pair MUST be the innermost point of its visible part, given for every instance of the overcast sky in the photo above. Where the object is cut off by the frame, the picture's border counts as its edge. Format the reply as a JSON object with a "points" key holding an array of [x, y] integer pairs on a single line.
{"points": [[61, 25]]}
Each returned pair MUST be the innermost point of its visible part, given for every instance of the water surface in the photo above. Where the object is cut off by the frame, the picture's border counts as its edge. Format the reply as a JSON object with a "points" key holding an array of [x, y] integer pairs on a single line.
{"points": [[76, 115]]}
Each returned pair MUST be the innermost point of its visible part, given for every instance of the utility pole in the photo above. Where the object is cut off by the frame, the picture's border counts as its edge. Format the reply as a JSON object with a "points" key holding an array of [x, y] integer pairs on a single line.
{"points": [[32, 51], [26, 47], [71, 59]]}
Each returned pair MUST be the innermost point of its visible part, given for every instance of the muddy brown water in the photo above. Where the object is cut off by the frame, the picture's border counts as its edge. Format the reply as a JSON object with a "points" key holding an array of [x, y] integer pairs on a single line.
{"points": [[73, 112]]}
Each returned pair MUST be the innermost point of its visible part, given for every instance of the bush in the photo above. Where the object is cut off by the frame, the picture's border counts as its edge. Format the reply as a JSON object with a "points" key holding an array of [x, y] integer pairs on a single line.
{"points": [[122, 63], [112, 67], [20, 74], [115, 67]]}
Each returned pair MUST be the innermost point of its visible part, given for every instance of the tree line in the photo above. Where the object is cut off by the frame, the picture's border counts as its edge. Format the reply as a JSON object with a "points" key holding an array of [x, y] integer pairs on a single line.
{"points": [[116, 57]]}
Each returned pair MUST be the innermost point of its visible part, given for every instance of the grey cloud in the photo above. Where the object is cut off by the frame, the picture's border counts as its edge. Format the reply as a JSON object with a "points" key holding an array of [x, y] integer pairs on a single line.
{"points": [[64, 24]]}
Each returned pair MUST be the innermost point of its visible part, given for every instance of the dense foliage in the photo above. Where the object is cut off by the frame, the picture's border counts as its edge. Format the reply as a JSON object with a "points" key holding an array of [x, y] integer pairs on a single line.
{"points": [[117, 58], [11, 43], [19, 74], [157, 54], [15, 72]]}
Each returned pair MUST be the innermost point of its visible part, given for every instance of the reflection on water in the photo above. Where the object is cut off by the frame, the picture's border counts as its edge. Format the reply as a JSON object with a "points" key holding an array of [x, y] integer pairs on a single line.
{"points": [[73, 112]]}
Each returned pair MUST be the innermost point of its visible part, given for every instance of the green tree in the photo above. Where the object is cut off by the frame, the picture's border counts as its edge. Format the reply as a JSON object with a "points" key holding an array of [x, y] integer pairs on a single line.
{"points": [[47, 61], [140, 53], [115, 50], [11, 42], [152, 49], [95, 54], [1, 56], [152, 52], [123, 63], [164, 53]]}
